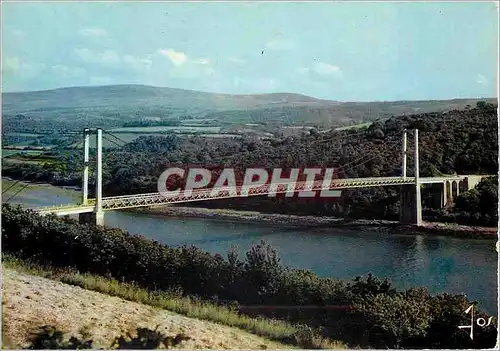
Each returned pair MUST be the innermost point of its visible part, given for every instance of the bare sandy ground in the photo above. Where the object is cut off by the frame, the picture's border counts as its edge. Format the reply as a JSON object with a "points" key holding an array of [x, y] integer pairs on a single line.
{"points": [[30, 302]]}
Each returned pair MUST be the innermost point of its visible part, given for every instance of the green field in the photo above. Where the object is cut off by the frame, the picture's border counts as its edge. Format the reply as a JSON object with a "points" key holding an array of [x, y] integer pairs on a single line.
{"points": [[23, 143], [10, 187], [354, 126], [23, 134], [216, 135], [19, 160], [162, 129], [8, 152], [32, 152]]}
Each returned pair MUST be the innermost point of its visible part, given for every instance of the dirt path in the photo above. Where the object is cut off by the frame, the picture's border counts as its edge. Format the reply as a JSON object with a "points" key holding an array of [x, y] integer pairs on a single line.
{"points": [[30, 302]]}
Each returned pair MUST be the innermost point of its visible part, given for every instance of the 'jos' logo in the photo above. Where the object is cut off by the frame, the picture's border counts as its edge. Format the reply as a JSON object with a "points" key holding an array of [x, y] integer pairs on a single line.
{"points": [[480, 322]]}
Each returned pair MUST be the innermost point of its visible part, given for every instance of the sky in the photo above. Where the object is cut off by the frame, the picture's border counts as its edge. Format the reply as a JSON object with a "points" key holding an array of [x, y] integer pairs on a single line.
{"points": [[351, 51]]}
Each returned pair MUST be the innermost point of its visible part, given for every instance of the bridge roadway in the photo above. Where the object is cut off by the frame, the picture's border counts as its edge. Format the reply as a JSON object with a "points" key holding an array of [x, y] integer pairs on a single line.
{"points": [[158, 199]]}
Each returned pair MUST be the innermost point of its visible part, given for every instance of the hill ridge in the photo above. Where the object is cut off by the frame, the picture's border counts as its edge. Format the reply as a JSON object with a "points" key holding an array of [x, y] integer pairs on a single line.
{"points": [[166, 89], [112, 105], [277, 94]]}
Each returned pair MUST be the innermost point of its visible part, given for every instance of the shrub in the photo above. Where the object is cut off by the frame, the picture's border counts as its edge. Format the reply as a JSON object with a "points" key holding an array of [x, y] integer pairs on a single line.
{"points": [[50, 338], [368, 311]]}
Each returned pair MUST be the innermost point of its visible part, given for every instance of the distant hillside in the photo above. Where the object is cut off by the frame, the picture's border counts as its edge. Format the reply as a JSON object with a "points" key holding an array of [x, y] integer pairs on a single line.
{"points": [[111, 106], [147, 96], [340, 114]]}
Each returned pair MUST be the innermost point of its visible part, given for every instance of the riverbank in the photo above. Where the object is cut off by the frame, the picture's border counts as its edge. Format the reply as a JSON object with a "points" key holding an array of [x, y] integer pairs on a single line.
{"points": [[11, 187], [281, 220], [314, 222]]}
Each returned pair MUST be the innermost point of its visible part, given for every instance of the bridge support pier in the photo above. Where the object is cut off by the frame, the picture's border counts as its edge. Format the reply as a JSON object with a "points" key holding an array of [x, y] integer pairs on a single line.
{"points": [[452, 188], [96, 218], [444, 194], [458, 188], [410, 210]]}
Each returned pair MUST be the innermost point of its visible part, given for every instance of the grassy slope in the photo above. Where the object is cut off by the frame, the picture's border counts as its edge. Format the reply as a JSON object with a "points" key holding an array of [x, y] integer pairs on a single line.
{"points": [[101, 313], [31, 302]]}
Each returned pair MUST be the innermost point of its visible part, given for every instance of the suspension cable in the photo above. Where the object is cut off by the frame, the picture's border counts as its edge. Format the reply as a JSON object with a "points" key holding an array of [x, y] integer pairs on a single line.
{"points": [[17, 181], [114, 136], [111, 141], [17, 192], [364, 161]]}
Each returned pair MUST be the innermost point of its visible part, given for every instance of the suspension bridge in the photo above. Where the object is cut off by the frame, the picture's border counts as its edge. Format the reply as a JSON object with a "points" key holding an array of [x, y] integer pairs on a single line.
{"points": [[93, 209]]}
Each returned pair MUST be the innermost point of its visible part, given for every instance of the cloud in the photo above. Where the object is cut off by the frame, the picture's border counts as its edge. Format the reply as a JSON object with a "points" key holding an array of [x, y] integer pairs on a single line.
{"points": [[15, 66], [105, 57], [138, 63], [92, 32], [185, 66], [109, 57], [237, 60], [182, 66], [11, 64], [61, 68], [176, 57], [303, 70], [67, 72], [31, 70], [323, 68], [320, 69], [280, 45], [201, 61], [117, 61], [480, 79]]}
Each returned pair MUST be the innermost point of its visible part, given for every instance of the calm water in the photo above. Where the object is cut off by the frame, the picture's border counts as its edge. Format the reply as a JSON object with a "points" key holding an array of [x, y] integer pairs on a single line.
{"points": [[440, 264]]}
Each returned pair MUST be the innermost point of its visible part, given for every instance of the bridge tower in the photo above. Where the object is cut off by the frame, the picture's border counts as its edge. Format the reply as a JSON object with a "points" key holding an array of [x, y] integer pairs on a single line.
{"points": [[410, 210], [97, 216], [86, 154]]}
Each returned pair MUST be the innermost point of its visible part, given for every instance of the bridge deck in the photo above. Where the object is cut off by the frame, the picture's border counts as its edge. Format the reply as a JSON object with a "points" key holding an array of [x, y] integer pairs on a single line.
{"points": [[157, 199]]}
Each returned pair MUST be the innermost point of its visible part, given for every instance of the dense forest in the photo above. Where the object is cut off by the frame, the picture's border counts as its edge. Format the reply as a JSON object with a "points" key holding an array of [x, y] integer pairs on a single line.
{"points": [[373, 313], [454, 142]]}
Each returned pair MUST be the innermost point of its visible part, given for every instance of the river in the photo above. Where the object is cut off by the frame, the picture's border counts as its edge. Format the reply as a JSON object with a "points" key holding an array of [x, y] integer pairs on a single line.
{"points": [[441, 264]]}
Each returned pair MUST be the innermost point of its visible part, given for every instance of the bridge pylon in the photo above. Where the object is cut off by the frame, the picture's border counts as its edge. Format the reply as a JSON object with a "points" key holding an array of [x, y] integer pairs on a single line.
{"points": [[86, 154], [410, 210], [97, 216]]}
